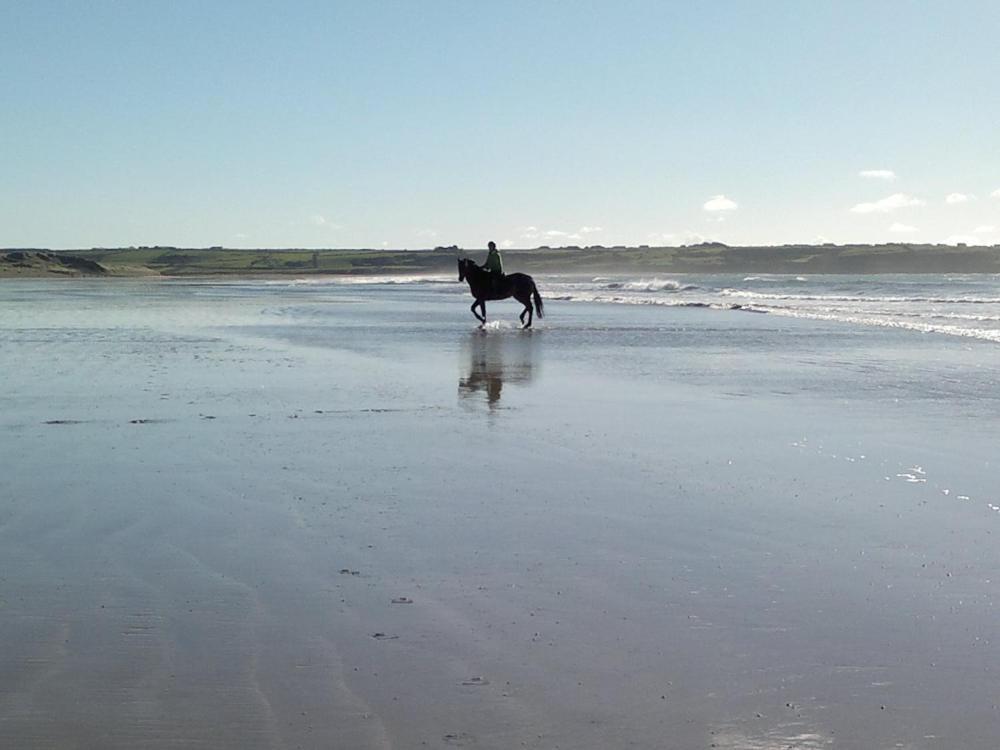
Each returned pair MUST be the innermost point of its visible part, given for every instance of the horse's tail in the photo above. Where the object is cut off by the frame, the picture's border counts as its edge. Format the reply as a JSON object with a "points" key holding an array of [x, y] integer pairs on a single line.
{"points": [[537, 300]]}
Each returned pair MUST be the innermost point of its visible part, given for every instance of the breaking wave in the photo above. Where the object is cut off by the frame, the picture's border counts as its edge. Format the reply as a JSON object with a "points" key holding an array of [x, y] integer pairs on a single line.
{"points": [[968, 306], [746, 294], [652, 285], [630, 300], [982, 334]]}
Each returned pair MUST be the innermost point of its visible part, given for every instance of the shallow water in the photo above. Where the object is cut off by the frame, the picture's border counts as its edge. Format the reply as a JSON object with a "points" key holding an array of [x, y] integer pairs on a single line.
{"points": [[966, 305], [635, 525]]}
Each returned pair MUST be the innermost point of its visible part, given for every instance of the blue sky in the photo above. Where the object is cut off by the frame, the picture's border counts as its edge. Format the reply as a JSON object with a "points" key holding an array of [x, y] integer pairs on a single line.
{"points": [[412, 124]]}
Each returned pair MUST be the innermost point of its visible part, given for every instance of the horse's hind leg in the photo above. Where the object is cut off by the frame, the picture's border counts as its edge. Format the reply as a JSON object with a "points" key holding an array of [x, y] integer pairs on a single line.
{"points": [[526, 311]]}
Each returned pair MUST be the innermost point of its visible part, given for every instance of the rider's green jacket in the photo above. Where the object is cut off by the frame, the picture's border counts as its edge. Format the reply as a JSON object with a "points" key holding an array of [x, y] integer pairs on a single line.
{"points": [[493, 262]]}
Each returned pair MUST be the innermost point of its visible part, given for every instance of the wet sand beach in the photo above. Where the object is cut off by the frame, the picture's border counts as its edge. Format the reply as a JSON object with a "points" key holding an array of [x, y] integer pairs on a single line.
{"points": [[267, 515]]}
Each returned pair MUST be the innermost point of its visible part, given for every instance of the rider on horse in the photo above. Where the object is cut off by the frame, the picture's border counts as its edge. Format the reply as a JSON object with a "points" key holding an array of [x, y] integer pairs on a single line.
{"points": [[487, 282], [494, 265]]}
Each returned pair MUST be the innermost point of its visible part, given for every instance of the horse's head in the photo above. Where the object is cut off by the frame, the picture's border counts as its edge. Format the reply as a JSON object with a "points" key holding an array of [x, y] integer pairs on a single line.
{"points": [[461, 268]]}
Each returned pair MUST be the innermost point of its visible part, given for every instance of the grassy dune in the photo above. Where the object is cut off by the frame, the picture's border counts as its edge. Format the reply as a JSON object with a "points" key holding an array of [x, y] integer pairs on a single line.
{"points": [[704, 258]]}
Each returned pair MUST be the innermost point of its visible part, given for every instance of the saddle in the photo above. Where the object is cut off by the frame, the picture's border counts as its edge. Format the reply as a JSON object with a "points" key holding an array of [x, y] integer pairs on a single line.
{"points": [[497, 280]]}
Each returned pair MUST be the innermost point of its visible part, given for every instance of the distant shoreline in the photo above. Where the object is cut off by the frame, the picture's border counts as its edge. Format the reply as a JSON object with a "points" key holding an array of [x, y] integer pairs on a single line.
{"points": [[701, 258]]}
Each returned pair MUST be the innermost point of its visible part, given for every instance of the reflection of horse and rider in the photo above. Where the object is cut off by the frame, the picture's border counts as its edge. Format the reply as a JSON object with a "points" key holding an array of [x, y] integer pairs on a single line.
{"points": [[494, 361], [488, 282]]}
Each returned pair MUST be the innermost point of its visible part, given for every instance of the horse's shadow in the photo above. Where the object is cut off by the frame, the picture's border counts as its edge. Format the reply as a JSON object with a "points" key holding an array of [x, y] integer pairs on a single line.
{"points": [[495, 359]]}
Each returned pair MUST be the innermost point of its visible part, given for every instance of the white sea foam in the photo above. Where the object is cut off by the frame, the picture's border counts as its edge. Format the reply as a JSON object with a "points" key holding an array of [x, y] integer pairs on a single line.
{"points": [[747, 294], [583, 296], [967, 307], [960, 316], [650, 285], [773, 278], [982, 334]]}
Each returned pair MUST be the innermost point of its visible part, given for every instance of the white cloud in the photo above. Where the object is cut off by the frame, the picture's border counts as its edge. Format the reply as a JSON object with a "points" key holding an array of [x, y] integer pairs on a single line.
{"points": [[984, 229], [996, 193], [897, 227], [322, 221], [533, 233], [507, 243], [661, 236], [686, 237], [720, 203], [558, 234], [877, 174], [966, 239], [429, 234], [953, 198], [884, 206]]}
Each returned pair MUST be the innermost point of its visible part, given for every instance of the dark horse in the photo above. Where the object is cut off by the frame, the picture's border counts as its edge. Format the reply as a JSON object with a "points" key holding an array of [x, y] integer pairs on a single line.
{"points": [[520, 286]]}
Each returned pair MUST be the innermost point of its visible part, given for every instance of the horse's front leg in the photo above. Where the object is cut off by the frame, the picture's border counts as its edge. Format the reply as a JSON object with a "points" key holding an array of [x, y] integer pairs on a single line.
{"points": [[477, 303], [482, 306]]}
